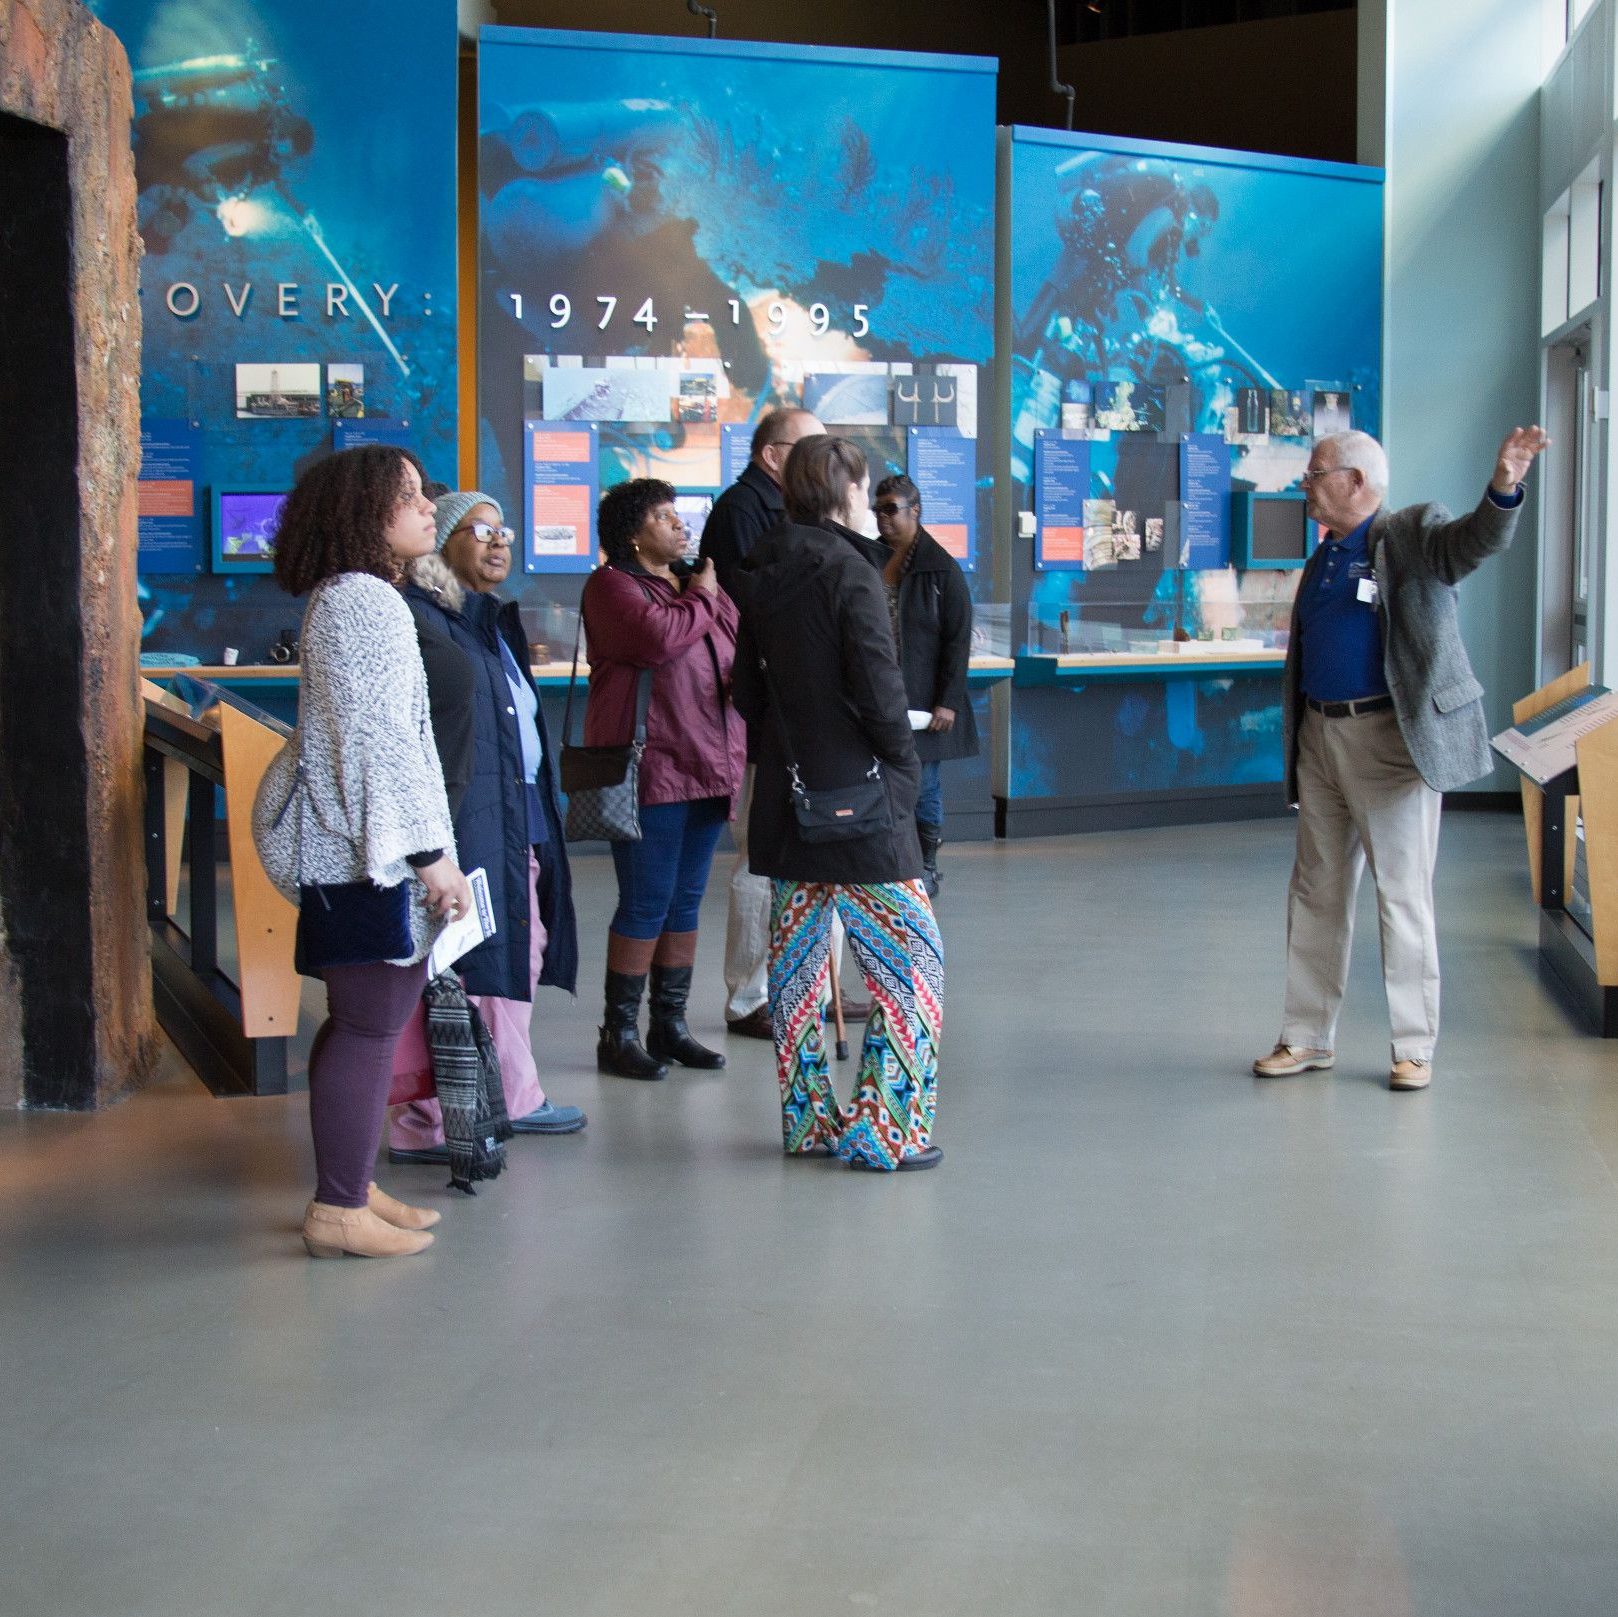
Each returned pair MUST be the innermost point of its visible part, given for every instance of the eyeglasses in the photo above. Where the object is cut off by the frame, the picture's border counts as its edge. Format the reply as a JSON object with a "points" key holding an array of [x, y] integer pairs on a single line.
{"points": [[891, 508], [486, 533], [1312, 476]]}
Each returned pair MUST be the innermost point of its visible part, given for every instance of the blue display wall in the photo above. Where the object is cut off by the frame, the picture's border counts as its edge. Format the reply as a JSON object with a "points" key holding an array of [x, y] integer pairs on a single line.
{"points": [[1181, 323], [677, 234], [296, 172]]}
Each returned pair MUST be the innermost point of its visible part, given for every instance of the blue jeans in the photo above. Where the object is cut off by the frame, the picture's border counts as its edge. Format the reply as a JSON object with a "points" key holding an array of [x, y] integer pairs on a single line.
{"points": [[930, 799], [661, 878]]}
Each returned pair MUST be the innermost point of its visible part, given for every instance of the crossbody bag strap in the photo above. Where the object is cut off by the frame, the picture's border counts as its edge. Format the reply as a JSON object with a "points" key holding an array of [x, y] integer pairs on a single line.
{"points": [[572, 679], [643, 689], [780, 721]]}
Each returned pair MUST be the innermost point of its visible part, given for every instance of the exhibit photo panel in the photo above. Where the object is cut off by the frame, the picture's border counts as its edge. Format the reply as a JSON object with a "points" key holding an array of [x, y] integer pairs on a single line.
{"points": [[1182, 323], [298, 290], [677, 235]]}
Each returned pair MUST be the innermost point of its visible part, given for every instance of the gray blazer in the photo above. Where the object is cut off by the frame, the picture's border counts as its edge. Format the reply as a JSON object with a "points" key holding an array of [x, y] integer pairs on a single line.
{"points": [[1419, 554]]}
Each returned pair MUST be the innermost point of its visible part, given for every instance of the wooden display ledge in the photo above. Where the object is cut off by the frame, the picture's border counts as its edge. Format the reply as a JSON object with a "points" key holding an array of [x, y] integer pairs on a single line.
{"points": [[1208, 658], [287, 673], [982, 671]]}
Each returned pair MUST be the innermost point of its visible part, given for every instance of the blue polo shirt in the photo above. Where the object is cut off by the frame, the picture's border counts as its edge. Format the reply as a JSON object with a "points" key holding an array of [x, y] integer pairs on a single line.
{"points": [[1341, 634]]}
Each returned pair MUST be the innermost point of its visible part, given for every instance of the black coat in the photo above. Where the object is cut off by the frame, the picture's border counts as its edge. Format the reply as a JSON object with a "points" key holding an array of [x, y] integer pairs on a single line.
{"points": [[748, 509], [815, 610], [935, 647], [450, 691], [491, 822]]}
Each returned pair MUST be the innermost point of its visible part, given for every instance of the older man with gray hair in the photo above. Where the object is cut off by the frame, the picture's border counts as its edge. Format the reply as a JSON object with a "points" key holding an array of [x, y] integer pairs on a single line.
{"points": [[1381, 713]]}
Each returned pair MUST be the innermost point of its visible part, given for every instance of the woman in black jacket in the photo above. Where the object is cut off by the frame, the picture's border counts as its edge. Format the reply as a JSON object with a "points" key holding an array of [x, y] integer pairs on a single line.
{"points": [[507, 818], [931, 609], [817, 680]]}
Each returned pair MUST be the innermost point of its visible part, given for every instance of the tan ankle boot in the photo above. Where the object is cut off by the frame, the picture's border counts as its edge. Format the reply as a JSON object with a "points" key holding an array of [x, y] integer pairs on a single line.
{"points": [[329, 1232], [401, 1215]]}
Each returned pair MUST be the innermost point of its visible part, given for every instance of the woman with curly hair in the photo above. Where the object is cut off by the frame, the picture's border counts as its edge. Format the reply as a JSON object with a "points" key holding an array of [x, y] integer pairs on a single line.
{"points": [[662, 639], [352, 823]]}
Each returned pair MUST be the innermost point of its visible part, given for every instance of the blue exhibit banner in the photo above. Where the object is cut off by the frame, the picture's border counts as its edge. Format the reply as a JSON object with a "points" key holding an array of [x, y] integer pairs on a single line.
{"points": [[1204, 501], [1061, 491], [360, 434], [735, 451], [170, 521], [560, 491], [1155, 292], [943, 468], [669, 247], [295, 174]]}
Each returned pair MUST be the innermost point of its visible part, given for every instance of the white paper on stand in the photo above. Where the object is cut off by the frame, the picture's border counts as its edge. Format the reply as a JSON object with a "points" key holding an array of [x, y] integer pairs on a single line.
{"points": [[1546, 745], [465, 932]]}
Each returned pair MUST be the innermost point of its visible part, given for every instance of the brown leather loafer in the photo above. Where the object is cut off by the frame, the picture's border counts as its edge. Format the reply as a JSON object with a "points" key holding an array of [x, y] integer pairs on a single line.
{"points": [[757, 1024]]}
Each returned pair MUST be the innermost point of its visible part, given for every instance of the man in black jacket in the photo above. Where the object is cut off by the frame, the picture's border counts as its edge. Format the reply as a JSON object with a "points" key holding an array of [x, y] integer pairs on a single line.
{"points": [[752, 504], [749, 508]]}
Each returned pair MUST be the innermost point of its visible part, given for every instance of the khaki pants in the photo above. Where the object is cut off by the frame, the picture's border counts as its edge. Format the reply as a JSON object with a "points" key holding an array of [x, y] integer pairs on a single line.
{"points": [[747, 925], [1360, 797]]}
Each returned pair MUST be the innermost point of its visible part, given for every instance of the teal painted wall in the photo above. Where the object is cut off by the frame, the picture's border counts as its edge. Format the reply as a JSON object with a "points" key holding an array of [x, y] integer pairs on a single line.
{"points": [[1462, 310]]}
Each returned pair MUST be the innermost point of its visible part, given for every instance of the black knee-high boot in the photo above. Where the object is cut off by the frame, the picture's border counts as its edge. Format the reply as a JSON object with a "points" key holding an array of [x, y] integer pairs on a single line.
{"points": [[668, 1038], [619, 1050], [932, 838]]}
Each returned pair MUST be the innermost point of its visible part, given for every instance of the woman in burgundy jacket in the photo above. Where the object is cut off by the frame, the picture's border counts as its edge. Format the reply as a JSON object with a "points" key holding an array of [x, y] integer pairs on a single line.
{"points": [[643, 612]]}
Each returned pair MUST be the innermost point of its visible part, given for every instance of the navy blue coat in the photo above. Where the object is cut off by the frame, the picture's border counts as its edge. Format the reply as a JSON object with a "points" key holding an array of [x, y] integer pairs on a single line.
{"points": [[491, 823]]}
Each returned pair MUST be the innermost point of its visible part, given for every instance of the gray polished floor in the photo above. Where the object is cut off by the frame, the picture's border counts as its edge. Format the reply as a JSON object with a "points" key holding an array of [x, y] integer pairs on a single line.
{"points": [[1156, 1340]]}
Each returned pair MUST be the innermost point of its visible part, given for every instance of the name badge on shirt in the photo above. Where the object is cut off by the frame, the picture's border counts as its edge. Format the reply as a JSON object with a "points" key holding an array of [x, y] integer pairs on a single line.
{"points": [[1365, 591]]}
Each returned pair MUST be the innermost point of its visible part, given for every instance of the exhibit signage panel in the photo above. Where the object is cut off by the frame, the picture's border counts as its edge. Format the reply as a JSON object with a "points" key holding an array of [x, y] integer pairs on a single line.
{"points": [[170, 498], [942, 466]]}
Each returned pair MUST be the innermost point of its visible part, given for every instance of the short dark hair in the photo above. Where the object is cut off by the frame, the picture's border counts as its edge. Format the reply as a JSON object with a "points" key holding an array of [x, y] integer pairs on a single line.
{"points": [[818, 475], [337, 516], [623, 512], [768, 430], [899, 485]]}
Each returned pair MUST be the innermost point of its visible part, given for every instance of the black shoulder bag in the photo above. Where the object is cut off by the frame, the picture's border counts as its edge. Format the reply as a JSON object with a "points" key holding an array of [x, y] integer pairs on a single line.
{"points": [[603, 783], [835, 813]]}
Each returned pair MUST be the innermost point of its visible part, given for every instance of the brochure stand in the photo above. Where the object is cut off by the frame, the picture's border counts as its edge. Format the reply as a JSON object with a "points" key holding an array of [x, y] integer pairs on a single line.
{"points": [[232, 1030], [1564, 744]]}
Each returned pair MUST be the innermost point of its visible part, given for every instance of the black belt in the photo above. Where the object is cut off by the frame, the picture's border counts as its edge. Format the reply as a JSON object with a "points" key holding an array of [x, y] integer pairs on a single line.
{"points": [[1351, 710]]}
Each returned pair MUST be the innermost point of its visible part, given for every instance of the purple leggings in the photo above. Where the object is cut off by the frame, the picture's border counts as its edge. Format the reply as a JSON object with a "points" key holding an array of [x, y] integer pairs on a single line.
{"points": [[350, 1069]]}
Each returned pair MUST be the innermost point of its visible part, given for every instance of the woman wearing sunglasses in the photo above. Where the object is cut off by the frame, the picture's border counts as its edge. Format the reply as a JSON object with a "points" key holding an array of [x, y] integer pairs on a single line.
{"points": [[931, 610], [507, 819]]}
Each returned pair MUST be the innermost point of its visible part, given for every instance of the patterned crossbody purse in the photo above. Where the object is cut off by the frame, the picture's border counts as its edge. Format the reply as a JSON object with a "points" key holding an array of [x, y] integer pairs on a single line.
{"points": [[603, 783]]}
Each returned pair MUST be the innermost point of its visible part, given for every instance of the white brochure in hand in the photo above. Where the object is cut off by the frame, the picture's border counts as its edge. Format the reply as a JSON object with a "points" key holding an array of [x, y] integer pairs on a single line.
{"points": [[465, 932], [920, 717]]}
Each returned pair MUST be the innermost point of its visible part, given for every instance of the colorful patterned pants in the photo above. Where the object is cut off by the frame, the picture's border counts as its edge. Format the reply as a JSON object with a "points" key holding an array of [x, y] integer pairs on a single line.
{"points": [[895, 940]]}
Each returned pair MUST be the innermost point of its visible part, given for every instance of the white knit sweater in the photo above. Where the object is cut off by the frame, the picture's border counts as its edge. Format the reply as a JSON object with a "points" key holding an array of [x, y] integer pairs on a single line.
{"points": [[358, 786]]}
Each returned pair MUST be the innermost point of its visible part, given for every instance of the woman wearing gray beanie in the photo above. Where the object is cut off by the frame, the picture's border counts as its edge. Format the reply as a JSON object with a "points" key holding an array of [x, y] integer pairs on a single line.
{"points": [[507, 815]]}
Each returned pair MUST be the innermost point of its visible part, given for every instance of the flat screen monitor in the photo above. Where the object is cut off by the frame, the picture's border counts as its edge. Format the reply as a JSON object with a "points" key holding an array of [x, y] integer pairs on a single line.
{"points": [[693, 506], [244, 522], [1273, 530]]}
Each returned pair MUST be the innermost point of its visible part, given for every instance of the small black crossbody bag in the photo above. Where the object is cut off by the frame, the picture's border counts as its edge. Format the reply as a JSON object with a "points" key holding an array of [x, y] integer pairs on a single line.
{"points": [[832, 813]]}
